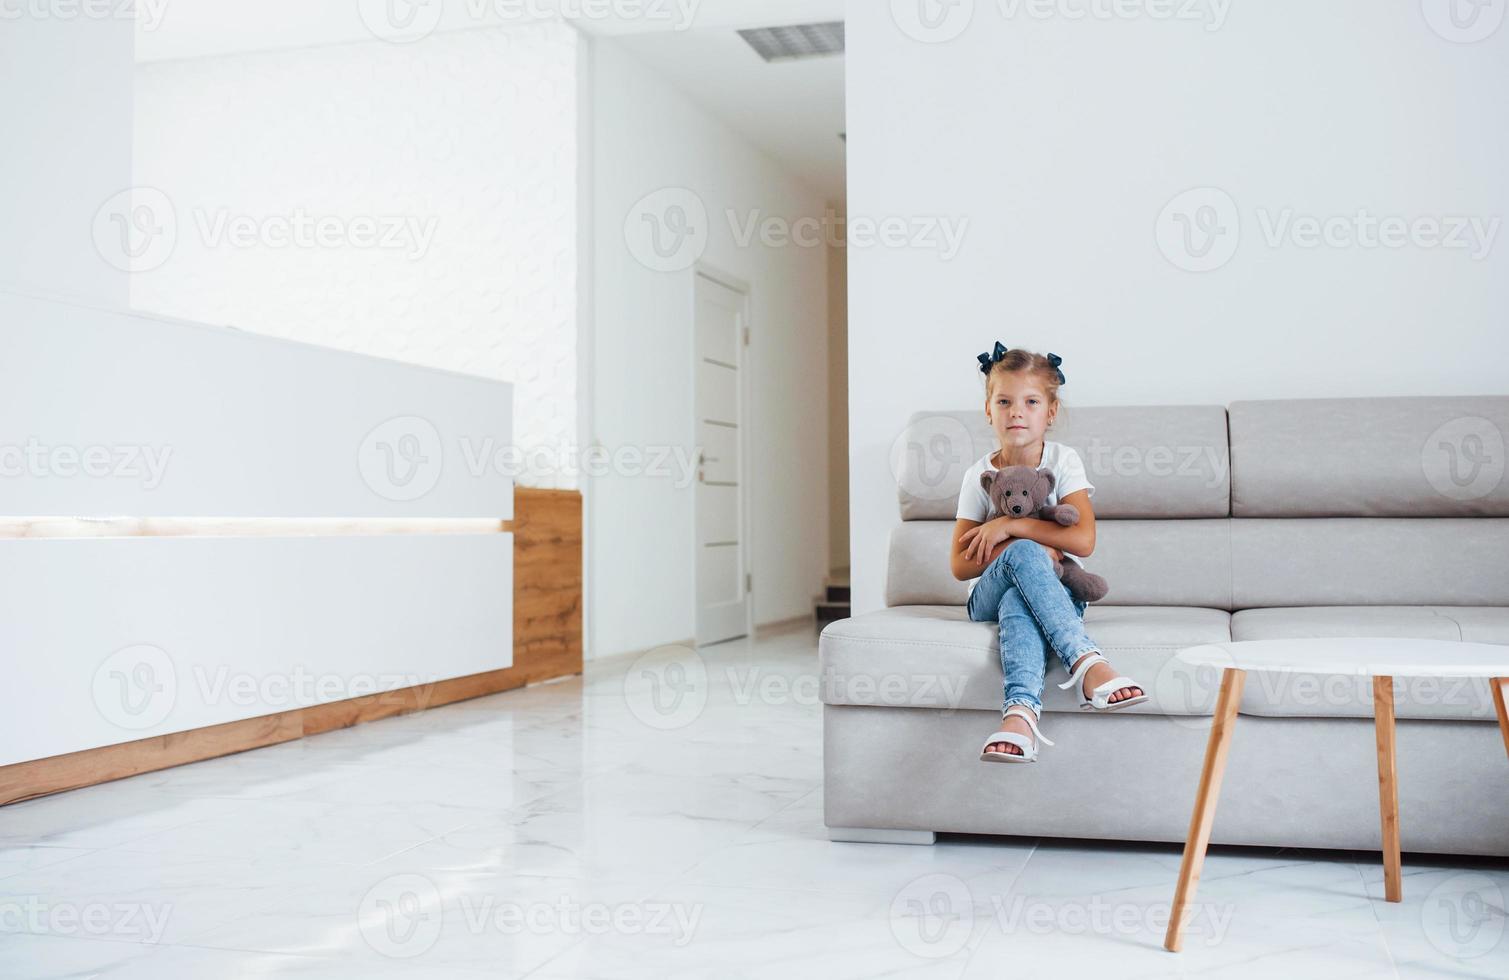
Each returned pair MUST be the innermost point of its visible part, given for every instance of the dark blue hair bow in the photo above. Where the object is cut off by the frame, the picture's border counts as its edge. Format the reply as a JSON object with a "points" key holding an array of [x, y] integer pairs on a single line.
{"points": [[988, 359]]}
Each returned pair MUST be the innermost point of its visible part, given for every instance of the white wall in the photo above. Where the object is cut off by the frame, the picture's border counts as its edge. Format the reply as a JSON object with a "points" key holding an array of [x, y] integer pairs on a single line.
{"points": [[647, 135], [66, 120], [1063, 141], [464, 144]]}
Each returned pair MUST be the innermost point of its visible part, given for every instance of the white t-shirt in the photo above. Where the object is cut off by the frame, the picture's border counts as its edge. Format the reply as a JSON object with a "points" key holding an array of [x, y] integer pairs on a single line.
{"points": [[1068, 477]]}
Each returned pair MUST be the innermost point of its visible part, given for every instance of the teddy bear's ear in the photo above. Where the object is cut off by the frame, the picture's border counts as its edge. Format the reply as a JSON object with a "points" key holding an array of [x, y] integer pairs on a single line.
{"points": [[986, 479], [1045, 483]]}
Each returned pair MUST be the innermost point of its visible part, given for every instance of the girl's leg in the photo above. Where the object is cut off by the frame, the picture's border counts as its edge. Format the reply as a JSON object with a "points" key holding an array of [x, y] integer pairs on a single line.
{"points": [[1024, 653], [986, 595], [1036, 614], [1024, 664], [1025, 565], [1023, 650]]}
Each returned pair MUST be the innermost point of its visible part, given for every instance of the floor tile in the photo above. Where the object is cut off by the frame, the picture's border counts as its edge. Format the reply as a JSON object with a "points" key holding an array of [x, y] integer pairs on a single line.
{"points": [[603, 827]]}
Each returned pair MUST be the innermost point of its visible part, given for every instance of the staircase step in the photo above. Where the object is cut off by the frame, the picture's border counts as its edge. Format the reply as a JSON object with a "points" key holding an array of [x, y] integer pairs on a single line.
{"points": [[826, 612]]}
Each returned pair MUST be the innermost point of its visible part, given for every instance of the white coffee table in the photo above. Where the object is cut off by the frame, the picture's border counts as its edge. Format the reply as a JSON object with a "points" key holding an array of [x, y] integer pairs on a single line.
{"points": [[1381, 659]]}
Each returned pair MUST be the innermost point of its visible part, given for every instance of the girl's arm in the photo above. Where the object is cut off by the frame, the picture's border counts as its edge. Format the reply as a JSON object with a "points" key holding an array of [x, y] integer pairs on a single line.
{"points": [[970, 556], [1077, 540], [965, 559]]}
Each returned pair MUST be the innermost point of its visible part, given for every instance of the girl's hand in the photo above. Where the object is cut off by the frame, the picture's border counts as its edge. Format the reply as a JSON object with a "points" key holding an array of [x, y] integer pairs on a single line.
{"points": [[983, 543], [980, 542]]}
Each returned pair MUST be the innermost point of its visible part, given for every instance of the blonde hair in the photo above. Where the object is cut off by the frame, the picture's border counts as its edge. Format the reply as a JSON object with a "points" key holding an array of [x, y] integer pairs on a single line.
{"points": [[1035, 364]]}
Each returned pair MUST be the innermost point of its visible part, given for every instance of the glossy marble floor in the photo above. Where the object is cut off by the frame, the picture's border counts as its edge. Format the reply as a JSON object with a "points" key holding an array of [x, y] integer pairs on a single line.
{"points": [[660, 817]]}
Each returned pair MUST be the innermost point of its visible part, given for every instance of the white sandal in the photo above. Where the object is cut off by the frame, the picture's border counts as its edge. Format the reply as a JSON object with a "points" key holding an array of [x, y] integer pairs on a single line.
{"points": [[1029, 748], [1099, 698]]}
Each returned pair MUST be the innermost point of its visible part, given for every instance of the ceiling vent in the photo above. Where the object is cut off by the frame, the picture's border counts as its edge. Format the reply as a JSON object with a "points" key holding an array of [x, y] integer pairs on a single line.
{"points": [[796, 40]]}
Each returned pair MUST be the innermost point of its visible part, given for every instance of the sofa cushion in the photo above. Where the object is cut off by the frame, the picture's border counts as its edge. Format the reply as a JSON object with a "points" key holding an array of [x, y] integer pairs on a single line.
{"points": [[1480, 624], [934, 656], [1154, 461], [1385, 561], [1370, 457], [1314, 695], [1148, 563], [1296, 622]]}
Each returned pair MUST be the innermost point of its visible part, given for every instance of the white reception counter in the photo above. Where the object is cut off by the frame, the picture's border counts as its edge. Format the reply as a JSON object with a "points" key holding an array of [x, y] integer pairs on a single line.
{"points": [[335, 526]]}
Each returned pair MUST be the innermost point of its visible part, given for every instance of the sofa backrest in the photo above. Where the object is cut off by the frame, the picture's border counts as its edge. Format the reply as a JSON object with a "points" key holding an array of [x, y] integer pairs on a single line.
{"points": [[1145, 462], [1270, 503]]}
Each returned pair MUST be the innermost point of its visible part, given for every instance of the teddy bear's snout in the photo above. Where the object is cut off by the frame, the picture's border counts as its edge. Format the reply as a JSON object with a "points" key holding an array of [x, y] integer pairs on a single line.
{"points": [[1016, 508]]}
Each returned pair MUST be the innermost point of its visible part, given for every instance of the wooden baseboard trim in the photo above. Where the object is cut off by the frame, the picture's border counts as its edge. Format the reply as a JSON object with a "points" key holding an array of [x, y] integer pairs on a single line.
{"points": [[547, 644], [27, 780]]}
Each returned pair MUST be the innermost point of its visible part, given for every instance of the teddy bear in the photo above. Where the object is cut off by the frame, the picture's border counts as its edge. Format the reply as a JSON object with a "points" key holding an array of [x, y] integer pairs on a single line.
{"points": [[1020, 491]]}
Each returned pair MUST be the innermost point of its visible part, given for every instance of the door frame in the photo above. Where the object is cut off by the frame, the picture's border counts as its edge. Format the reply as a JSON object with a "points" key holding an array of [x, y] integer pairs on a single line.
{"points": [[746, 401]]}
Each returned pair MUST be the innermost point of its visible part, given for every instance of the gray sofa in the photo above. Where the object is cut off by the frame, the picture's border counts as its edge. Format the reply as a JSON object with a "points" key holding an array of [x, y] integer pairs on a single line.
{"points": [[1267, 519]]}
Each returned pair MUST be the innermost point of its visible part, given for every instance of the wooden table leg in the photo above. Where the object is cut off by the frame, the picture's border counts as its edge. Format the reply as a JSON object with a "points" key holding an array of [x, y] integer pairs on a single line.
{"points": [[1388, 786], [1205, 803], [1500, 687]]}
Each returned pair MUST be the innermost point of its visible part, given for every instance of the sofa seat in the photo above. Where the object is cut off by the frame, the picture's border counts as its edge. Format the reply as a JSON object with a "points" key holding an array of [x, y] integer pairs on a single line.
{"points": [[1470, 624], [934, 656], [1311, 695]]}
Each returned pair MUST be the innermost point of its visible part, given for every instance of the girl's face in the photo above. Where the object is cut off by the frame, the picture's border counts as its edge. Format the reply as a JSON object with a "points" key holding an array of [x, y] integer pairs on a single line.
{"points": [[1018, 410]]}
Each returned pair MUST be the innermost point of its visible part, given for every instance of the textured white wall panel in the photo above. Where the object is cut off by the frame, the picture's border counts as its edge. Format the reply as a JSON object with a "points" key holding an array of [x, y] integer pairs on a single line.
{"points": [[464, 145]]}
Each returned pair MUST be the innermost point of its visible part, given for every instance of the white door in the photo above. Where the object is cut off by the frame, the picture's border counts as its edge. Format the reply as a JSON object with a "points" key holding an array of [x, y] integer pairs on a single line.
{"points": [[722, 548]]}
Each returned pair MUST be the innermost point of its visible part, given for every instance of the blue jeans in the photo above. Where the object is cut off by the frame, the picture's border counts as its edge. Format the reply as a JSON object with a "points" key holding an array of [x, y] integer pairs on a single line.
{"points": [[1036, 614]]}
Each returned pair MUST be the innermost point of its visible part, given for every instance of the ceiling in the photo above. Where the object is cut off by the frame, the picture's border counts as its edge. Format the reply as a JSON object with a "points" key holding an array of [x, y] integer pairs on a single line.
{"points": [[792, 110]]}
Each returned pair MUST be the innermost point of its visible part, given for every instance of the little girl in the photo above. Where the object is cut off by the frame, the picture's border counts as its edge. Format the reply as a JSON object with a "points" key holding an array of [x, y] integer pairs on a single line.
{"points": [[1006, 560]]}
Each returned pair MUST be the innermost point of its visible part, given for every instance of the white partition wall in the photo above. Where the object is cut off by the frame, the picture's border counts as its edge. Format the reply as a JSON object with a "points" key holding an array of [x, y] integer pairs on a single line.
{"points": [[112, 415], [108, 413]]}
